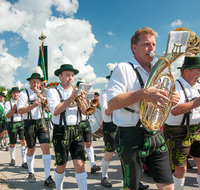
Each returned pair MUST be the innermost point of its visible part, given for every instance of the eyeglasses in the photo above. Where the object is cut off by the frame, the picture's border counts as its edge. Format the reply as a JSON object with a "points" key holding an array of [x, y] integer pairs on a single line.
{"points": [[196, 71]]}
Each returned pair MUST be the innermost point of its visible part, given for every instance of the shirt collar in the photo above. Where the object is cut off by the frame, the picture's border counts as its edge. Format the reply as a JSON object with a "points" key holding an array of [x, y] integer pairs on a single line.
{"points": [[185, 83], [12, 100], [61, 88], [137, 65]]}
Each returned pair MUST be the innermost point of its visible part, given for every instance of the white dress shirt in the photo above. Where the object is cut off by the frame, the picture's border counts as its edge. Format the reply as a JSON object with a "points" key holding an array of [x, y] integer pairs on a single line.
{"points": [[191, 91], [7, 109], [53, 100], [23, 102], [104, 105], [123, 80]]}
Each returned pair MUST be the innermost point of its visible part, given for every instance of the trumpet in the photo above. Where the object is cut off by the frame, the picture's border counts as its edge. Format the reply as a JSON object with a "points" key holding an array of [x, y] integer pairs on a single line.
{"points": [[82, 103]]}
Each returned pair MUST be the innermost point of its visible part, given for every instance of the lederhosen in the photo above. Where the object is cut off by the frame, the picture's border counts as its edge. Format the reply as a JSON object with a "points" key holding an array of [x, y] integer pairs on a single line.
{"points": [[67, 138], [33, 129], [137, 146], [110, 135], [183, 139], [15, 128], [2, 120], [86, 130]]}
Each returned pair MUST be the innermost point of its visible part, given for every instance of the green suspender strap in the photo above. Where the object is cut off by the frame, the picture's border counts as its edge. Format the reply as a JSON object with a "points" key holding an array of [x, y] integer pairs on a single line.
{"points": [[2, 110]]}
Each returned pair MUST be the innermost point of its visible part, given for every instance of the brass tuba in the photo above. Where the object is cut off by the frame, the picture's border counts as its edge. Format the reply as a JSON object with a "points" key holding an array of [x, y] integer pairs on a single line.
{"points": [[152, 116]]}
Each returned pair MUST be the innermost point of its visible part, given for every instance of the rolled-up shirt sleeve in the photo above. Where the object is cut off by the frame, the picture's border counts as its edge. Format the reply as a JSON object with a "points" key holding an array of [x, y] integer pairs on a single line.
{"points": [[117, 84], [52, 99], [22, 100], [7, 108]]}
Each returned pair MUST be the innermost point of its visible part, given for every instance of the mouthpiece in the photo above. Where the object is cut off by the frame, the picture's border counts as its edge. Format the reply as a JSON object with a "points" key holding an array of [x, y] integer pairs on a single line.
{"points": [[152, 54]]}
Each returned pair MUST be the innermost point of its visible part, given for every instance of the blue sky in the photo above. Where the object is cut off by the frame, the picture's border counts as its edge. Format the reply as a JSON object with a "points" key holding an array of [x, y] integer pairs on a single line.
{"points": [[87, 33]]}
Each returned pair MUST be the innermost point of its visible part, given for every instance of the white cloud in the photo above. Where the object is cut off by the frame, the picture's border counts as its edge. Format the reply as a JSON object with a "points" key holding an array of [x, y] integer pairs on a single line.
{"points": [[8, 64], [69, 37], [177, 22], [108, 46], [110, 33]]}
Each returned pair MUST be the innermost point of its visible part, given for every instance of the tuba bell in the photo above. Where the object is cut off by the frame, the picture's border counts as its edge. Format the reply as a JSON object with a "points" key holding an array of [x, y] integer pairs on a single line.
{"points": [[152, 116]]}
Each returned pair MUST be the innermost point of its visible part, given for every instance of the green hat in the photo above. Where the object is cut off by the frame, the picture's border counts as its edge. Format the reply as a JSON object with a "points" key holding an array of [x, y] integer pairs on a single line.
{"points": [[191, 63], [96, 93], [15, 89], [35, 76], [108, 77], [2, 94], [66, 67]]}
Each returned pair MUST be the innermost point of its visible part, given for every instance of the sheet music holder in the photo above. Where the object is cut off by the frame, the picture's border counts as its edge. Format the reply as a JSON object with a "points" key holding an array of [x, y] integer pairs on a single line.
{"points": [[180, 38], [83, 86]]}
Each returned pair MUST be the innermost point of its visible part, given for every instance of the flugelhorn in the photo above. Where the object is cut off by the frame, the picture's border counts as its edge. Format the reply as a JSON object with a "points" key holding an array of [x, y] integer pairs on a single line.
{"points": [[44, 125], [152, 116], [82, 103]]}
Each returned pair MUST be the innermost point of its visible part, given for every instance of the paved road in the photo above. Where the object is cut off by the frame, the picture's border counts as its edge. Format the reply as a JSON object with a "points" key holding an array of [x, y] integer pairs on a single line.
{"points": [[16, 175]]}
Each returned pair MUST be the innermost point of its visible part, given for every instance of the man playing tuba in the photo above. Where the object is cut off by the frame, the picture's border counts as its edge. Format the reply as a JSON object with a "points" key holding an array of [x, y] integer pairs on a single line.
{"points": [[125, 91]]}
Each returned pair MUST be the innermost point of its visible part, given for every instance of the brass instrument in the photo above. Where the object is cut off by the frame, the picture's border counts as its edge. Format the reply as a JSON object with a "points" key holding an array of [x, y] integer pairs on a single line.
{"points": [[82, 103], [95, 103], [152, 116], [44, 125]]}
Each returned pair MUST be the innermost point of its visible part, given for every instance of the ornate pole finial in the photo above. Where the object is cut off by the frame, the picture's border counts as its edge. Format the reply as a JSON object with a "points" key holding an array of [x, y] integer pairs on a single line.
{"points": [[42, 37]]}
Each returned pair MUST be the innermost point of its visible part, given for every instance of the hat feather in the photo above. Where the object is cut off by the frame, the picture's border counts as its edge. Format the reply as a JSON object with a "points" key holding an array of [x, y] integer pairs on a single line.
{"points": [[38, 70], [5, 92], [111, 66]]}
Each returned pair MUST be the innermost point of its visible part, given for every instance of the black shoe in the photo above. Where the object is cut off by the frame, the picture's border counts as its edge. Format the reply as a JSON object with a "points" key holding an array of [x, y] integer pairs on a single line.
{"points": [[12, 163], [24, 165], [147, 173], [142, 187], [7, 149], [2, 147], [49, 181], [95, 169], [31, 178], [94, 139], [105, 182]]}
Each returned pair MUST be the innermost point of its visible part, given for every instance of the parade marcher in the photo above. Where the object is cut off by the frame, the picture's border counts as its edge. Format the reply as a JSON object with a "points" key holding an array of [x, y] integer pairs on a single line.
{"points": [[109, 136], [125, 91], [67, 135], [87, 138], [3, 131], [181, 129], [15, 125], [28, 106]]}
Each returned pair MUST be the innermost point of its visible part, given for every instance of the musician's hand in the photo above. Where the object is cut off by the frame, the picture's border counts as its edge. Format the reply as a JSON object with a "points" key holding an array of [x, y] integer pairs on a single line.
{"points": [[39, 95], [14, 107], [83, 95], [74, 92], [157, 96], [175, 98], [36, 103]]}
